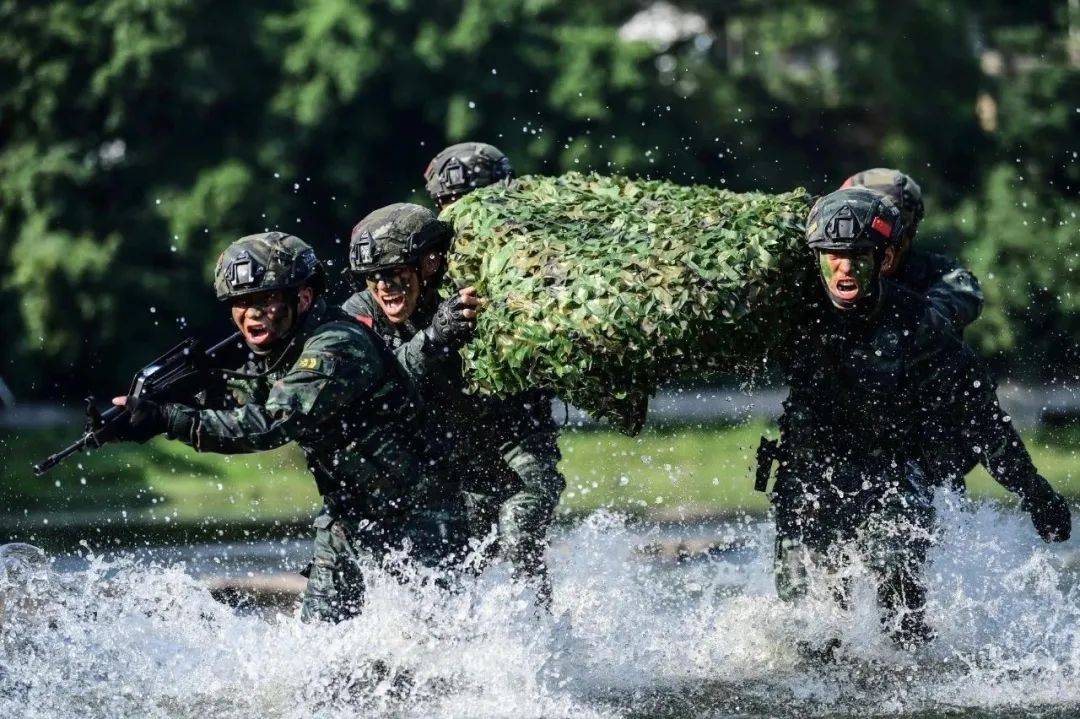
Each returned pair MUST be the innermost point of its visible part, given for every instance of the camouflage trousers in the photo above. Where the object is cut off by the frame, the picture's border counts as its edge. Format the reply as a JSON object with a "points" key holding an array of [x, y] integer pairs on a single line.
{"points": [[518, 510], [335, 590], [888, 527]]}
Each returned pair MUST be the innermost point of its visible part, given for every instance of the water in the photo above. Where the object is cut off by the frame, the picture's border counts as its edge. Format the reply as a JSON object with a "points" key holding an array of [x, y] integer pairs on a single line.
{"points": [[633, 635]]}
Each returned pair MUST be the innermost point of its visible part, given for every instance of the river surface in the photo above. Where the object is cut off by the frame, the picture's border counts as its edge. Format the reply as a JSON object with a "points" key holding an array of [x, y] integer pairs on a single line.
{"points": [[634, 634]]}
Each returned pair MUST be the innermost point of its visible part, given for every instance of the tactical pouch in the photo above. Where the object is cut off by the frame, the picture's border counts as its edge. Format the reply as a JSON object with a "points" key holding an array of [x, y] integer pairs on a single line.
{"points": [[768, 450]]}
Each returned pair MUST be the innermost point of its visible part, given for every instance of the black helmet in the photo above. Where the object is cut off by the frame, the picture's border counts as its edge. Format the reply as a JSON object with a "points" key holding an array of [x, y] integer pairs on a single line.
{"points": [[462, 168], [266, 261], [853, 219], [398, 234]]}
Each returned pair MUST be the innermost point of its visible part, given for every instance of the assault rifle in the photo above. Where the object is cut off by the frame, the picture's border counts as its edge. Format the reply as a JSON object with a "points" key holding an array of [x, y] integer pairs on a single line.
{"points": [[183, 374]]}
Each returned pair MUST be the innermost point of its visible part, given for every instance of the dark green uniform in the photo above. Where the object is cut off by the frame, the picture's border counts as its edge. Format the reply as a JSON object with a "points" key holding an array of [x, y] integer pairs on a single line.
{"points": [[326, 382], [338, 393], [872, 400], [502, 451], [952, 291], [877, 389]]}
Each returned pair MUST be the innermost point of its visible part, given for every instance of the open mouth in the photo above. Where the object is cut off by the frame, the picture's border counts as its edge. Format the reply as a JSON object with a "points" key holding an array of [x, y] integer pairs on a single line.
{"points": [[257, 334], [846, 289], [393, 304]]}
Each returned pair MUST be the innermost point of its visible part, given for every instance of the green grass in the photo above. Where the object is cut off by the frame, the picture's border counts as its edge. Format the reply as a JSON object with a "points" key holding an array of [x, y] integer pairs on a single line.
{"points": [[152, 481], [693, 471]]}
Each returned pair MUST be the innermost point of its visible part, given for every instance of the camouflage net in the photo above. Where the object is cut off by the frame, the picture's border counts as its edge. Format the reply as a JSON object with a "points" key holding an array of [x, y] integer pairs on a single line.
{"points": [[601, 287]]}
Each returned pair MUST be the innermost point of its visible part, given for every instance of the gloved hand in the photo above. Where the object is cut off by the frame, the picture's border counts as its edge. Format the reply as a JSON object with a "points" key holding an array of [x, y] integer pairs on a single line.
{"points": [[454, 321], [1051, 517], [146, 420]]}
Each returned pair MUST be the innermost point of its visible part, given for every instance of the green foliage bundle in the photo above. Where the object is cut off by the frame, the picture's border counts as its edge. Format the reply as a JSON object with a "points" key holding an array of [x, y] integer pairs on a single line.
{"points": [[601, 287]]}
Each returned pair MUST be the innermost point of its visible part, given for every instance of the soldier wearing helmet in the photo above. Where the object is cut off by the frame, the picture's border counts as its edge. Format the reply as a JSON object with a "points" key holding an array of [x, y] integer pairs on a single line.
{"points": [[501, 452], [462, 168], [876, 387], [520, 517], [318, 378], [952, 291]]}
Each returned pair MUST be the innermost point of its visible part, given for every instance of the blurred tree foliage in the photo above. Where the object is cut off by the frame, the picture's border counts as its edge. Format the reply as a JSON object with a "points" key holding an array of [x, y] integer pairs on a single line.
{"points": [[139, 137]]}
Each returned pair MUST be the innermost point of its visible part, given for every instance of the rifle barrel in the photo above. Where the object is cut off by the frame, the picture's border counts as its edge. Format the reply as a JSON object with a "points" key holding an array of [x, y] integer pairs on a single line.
{"points": [[54, 459]]}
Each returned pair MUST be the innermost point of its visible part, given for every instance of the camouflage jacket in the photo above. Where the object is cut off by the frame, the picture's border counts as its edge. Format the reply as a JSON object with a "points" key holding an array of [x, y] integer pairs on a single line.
{"points": [[490, 444], [873, 397], [952, 291], [336, 391]]}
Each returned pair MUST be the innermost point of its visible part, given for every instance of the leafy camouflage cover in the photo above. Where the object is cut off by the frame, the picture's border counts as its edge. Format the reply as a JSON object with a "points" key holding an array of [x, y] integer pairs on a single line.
{"points": [[602, 287]]}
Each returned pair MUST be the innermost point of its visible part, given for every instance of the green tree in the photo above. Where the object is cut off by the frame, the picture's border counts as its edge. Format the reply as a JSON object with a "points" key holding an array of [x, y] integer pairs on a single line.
{"points": [[138, 138]]}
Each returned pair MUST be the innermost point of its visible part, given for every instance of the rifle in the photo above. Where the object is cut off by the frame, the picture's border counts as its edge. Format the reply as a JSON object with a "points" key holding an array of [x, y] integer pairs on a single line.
{"points": [[183, 374]]}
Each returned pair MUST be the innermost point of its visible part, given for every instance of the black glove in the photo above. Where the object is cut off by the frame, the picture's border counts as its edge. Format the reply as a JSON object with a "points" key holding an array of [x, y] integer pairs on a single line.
{"points": [[449, 328], [1051, 517], [146, 419]]}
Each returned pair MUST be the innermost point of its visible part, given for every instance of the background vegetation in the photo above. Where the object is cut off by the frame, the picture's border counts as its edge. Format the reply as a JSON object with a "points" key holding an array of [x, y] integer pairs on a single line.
{"points": [[138, 138]]}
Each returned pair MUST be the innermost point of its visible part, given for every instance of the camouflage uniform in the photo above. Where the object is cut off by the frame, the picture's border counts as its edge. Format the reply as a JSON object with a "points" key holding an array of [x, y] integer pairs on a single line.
{"points": [[502, 452], [873, 396], [335, 390]]}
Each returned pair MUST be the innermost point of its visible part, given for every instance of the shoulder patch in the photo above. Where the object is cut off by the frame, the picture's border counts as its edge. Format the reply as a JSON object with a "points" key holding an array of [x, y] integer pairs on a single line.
{"points": [[308, 363]]}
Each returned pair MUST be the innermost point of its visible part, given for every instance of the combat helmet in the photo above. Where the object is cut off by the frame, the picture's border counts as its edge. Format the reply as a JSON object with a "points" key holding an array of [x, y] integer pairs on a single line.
{"points": [[461, 168], [898, 187], [853, 219], [264, 262], [398, 234], [857, 220]]}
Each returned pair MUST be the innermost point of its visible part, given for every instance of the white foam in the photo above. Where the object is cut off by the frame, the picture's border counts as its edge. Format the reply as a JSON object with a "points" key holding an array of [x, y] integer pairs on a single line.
{"points": [[124, 639]]}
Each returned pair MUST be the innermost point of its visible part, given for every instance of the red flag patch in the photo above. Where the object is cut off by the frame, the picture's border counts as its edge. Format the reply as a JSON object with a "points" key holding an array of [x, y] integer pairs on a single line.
{"points": [[882, 227]]}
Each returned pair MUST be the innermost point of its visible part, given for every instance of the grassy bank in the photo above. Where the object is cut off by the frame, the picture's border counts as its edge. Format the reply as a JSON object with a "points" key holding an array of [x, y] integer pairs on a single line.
{"points": [[660, 473]]}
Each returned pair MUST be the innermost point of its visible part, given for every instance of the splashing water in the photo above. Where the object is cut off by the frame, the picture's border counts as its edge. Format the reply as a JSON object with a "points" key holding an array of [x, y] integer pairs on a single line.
{"points": [[632, 635]]}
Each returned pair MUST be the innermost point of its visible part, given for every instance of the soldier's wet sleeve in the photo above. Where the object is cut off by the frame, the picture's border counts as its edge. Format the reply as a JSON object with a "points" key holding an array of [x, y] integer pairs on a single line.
{"points": [[958, 391], [329, 374], [414, 358], [954, 292]]}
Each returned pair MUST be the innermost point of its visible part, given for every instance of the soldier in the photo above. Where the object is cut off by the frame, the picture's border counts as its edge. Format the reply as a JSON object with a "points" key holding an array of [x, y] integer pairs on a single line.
{"points": [[318, 378], [952, 291], [876, 386], [501, 451]]}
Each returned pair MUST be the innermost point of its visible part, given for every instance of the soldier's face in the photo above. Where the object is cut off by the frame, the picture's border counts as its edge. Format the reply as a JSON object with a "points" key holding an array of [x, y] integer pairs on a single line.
{"points": [[263, 318], [847, 276], [396, 290]]}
